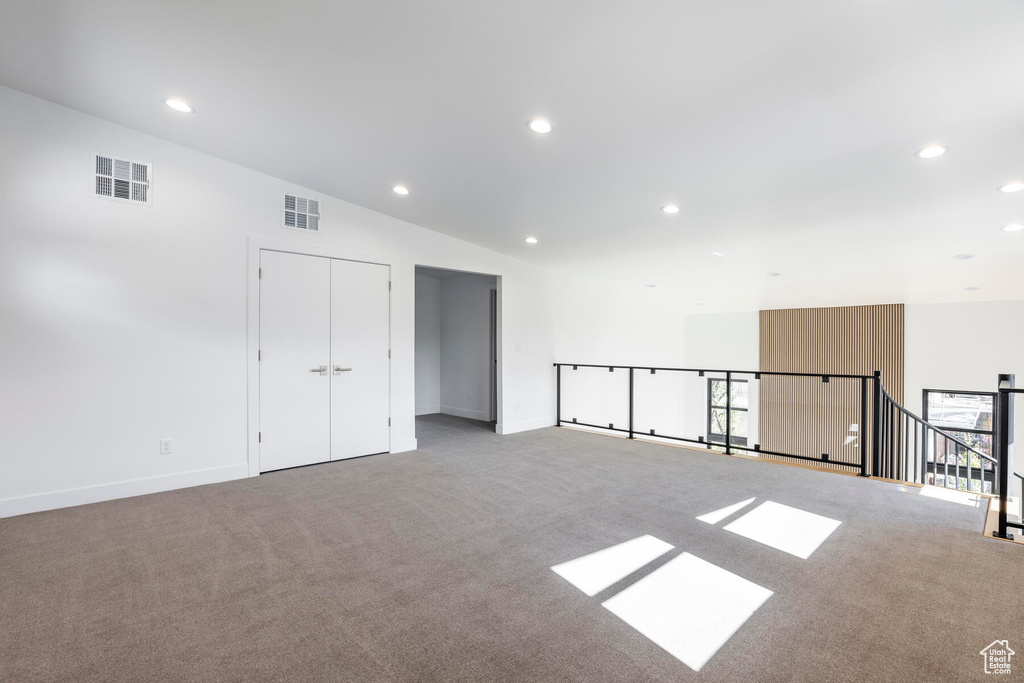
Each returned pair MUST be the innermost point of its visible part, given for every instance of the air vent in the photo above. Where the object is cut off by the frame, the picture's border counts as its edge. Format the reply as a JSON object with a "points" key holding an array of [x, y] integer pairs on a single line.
{"points": [[301, 213], [121, 179]]}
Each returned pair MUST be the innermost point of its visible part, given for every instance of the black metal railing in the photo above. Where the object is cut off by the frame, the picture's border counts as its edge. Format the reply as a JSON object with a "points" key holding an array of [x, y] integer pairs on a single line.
{"points": [[1004, 445], [914, 450], [852, 421], [849, 397]]}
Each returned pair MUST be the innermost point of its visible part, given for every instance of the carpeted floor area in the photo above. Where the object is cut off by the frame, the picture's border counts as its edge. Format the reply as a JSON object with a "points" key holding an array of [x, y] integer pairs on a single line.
{"points": [[435, 565]]}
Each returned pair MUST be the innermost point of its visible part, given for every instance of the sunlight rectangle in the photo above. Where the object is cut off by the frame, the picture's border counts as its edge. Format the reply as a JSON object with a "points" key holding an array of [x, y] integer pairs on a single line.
{"points": [[787, 529], [595, 572], [718, 515], [690, 608], [952, 495]]}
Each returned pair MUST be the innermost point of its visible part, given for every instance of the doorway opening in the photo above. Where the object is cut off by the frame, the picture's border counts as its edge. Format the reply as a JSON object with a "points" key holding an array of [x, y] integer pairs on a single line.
{"points": [[457, 332]]}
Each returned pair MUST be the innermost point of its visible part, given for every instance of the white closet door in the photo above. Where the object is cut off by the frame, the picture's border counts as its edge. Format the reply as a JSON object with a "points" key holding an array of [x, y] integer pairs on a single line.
{"points": [[295, 342], [360, 368]]}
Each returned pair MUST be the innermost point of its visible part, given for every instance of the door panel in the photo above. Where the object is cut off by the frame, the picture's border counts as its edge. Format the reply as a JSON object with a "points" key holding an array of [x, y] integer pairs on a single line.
{"points": [[295, 328], [360, 368]]}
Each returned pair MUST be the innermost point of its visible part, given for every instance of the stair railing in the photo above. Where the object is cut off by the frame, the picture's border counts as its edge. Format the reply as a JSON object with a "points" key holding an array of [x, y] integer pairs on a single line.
{"points": [[910, 449], [1004, 446]]}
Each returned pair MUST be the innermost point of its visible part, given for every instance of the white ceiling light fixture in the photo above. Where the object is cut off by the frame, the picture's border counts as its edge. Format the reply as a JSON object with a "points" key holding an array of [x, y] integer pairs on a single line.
{"points": [[530, 240], [650, 286], [540, 125], [670, 208], [180, 105], [1012, 186], [931, 152], [773, 274], [1012, 227], [400, 189], [963, 257], [718, 253]]}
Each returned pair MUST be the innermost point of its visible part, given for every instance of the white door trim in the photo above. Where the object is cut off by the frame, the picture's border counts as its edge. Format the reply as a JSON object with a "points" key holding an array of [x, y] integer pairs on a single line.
{"points": [[257, 244]]}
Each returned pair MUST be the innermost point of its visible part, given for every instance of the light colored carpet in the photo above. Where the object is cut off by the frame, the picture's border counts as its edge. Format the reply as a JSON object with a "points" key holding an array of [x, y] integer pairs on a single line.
{"points": [[435, 566]]}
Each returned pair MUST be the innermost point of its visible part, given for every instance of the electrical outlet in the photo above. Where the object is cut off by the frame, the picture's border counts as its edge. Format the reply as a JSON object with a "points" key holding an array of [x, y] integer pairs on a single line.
{"points": [[519, 348], [165, 447], [469, 397]]}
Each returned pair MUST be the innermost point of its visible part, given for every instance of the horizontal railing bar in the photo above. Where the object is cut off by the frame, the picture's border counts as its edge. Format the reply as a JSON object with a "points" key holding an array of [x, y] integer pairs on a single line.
{"points": [[799, 457], [584, 424], [955, 429], [939, 468], [1012, 391], [709, 444], [735, 372], [962, 393]]}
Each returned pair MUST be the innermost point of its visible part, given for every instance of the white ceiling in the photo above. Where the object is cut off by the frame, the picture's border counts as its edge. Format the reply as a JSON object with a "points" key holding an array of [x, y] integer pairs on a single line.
{"points": [[785, 130]]}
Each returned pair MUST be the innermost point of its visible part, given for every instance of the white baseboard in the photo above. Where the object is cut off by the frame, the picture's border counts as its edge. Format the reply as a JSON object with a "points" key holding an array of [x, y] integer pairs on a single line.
{"points": [[462, 412], [428, 410], [121, 489], [404, 445], [524, 426]]}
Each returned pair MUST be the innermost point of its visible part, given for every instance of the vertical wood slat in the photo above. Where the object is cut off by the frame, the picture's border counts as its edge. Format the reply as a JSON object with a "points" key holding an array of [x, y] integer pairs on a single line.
{"points": [[805, 416]]}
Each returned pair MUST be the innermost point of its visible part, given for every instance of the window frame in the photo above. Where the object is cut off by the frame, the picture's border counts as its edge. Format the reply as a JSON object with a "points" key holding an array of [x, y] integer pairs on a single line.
{"points": [[715, 438]]}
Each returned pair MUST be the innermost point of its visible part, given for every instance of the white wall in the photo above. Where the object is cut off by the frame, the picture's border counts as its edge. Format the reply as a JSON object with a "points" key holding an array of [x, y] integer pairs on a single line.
{"points": [[963, 346], [723, 341], [728, 341], [126, 324], [466, 346], [946, 346], [941, 352], [594, 324], [428, 345]]}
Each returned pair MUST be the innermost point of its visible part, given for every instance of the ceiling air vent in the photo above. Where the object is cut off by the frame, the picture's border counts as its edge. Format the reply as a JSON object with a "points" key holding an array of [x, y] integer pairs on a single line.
{"points": [[301, 213], [121, 180]]}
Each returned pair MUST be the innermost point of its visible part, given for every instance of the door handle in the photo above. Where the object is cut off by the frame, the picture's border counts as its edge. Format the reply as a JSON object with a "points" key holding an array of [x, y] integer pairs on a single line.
{"points": [[322, 370], [338, 369]]}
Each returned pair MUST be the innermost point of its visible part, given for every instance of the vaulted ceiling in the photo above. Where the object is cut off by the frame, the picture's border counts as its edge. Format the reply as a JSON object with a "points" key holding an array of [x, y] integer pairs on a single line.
{"points": [[785, 131]]}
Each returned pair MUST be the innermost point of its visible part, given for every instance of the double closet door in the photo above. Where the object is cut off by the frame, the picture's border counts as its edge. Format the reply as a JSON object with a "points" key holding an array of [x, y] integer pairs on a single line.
{"points": [[324, 359]]}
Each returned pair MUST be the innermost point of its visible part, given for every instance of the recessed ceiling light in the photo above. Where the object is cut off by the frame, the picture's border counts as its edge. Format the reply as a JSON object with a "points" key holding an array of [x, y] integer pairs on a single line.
{"points": [[931, 152], [530, 240], [539, 125], [963, 257], [773, 274], [180, 105], [971, 289], [1012, 227], [400, 189], [1012, 186], [670, 208], [717, 253]]}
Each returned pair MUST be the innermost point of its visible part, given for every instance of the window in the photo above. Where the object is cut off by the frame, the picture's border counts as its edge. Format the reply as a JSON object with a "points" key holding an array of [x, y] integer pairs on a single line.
{"points": [[739, 403], [967, 416]]}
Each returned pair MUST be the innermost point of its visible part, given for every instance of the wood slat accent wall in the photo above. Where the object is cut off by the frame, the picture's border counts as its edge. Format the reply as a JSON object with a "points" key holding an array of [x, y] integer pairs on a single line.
{"points": [[806, 416]]}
